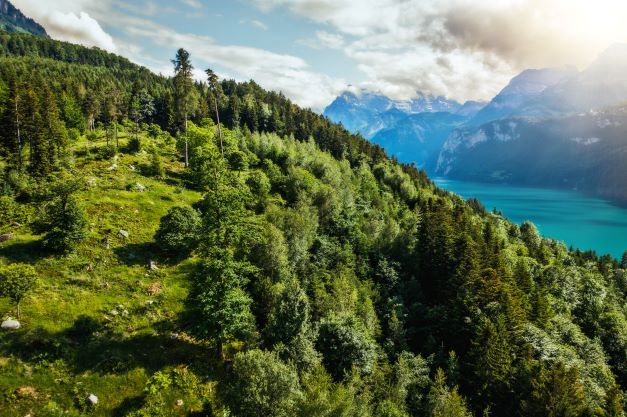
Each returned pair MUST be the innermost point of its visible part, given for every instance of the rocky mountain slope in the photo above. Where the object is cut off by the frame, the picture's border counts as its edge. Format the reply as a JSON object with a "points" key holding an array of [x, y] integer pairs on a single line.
{"points": [[12, 20]]}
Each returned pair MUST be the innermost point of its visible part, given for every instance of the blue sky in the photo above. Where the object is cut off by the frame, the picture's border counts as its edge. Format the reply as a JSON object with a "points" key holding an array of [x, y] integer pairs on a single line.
{"points": [[314, 49]]}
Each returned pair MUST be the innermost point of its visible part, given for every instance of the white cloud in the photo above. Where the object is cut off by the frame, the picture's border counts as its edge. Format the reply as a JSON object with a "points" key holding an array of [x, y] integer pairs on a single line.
{"points": [[280, 72], [259, 24], [196, 4], [81, 28], [71, 20], [462, 48]]}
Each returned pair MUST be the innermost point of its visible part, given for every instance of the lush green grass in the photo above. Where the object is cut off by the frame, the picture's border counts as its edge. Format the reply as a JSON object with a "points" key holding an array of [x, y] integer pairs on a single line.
{"points": [[92, 326]]}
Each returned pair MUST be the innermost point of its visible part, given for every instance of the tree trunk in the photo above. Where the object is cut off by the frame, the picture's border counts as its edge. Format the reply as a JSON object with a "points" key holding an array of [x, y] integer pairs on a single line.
{"points": [[186, 150], [18, 310], [186, 154], [19, 138], [215, 104], [219, 350], [117, 144]]}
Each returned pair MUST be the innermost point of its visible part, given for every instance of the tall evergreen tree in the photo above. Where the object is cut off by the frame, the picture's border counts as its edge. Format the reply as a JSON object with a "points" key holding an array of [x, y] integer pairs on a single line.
{"points": [[183, 91]]}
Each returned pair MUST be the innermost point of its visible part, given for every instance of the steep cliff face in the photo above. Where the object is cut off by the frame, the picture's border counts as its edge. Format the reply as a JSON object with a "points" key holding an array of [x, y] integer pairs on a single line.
{"points": [[13, 20]]}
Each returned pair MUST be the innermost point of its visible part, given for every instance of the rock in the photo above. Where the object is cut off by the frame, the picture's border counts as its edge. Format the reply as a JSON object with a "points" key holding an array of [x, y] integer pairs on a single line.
{"points": [[26, 391], [113, 312], [91, 182], [10, 324], [179, 403], [132, 167], [154, 288], [139, 187], [6, 237], [123, 232], [125, 313], [120, 307], [112, 167], [150, 302], [91, 400], [153, 266]]}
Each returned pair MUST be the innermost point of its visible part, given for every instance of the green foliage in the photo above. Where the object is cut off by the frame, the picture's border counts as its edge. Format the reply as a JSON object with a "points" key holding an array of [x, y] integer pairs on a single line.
{"points": [[445, 402], [179, 230], [16, 281], [156, 164], [304, 239], [61, 217], [222, 304], [12, 212], [261, 384], [344, 343], [557, 392]]}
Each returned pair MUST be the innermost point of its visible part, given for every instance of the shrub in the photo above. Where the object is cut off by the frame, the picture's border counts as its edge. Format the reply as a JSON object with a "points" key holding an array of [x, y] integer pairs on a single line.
{"points": [[179, 230], [64, 223], [16, 281]]}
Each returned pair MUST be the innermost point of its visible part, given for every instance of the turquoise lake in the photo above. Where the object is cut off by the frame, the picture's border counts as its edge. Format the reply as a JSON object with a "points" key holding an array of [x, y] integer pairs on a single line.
{"points": [[578, 220]]}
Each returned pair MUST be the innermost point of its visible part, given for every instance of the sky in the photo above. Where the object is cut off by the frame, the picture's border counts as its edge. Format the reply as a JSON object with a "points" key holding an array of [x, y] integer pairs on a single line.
{"points": [[312, 50]]}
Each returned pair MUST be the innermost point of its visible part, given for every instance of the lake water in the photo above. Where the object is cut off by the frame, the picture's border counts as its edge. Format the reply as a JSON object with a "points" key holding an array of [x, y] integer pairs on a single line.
{"points": [[578, 220]]}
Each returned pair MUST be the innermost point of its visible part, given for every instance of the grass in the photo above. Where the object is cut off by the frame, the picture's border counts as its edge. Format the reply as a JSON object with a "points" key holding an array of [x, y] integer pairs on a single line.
{"points": [[92, 326]]}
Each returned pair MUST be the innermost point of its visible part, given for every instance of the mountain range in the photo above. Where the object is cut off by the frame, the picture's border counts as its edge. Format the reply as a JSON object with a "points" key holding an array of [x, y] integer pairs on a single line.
{"points": [[551, 127], [412, 130]]}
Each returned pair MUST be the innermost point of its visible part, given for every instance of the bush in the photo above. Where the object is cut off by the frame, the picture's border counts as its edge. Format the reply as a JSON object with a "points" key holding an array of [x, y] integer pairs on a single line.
{"points": [[156, 164], [17, 280], [64, 222], [134, 144], [260, 384], [12, 212], [179, 230]]}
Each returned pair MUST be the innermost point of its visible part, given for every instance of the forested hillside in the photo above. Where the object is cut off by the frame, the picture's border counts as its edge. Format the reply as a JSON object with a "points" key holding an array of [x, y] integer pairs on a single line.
{"points": [[181, 248]]}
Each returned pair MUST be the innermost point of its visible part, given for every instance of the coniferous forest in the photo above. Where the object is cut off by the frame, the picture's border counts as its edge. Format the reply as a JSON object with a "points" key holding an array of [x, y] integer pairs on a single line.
{"points": [[173, 247]]}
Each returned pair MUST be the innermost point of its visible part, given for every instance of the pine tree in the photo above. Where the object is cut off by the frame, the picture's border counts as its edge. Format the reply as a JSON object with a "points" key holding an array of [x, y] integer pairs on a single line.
{"points": [[184, 88], [216, 92], [11, 132]]}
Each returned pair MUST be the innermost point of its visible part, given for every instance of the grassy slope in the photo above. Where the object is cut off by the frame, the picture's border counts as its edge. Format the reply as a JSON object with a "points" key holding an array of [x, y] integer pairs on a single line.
{"points": [[93, 350]]}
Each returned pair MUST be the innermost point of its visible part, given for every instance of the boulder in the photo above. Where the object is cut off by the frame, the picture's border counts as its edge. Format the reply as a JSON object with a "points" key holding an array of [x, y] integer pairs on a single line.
{"points": [[10, 324], [123, 232], [91, 400], [152, 266], [6, 237], [139, 187], [179, 403], [154, 288], [26, 392]]}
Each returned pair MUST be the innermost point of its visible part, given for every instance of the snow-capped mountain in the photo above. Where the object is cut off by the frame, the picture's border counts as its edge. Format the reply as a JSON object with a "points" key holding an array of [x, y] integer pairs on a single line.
{"points": [[412, 130]]}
